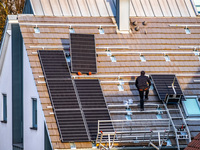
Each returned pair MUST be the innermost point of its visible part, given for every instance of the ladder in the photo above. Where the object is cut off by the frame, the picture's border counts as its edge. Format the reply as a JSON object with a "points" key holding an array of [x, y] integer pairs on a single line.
{"points": [[178, 123]]}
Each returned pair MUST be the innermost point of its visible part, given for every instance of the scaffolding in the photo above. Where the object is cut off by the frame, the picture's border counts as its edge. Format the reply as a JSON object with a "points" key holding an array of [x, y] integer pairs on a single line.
{"points": [[154, 132]]}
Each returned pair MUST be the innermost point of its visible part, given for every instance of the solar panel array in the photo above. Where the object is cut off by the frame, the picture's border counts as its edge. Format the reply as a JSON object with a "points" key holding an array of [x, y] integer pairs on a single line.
{"points": [[83, 53], [63, 97], [163, 85], [93, 104]]}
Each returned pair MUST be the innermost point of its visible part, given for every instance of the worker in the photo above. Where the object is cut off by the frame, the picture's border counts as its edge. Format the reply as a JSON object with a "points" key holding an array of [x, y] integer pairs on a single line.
{"points": [[143, 83]]}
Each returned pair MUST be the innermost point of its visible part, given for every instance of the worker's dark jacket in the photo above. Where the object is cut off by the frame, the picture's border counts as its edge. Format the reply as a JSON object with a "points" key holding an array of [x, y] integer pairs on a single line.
{"points": [[141, 82]]}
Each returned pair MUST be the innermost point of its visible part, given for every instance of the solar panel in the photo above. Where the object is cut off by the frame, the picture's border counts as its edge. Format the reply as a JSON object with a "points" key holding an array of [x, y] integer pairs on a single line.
{"points": [[63, 97], [163, 85], [93, 104], [83, 53]]}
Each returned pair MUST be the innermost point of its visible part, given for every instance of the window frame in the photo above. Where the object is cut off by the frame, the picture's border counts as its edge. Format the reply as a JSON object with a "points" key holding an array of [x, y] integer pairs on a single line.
{"points": [[34, 114], [185, 107], [4, 108]]}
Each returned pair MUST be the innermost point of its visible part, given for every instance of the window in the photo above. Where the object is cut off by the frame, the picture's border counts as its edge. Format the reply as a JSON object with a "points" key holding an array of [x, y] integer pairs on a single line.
{"points": [[4, 108], [192, 106], [34, 113]]}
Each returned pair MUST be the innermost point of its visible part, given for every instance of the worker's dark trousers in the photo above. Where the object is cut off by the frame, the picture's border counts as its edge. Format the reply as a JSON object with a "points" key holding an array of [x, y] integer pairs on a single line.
{"points": [[142, 97]]}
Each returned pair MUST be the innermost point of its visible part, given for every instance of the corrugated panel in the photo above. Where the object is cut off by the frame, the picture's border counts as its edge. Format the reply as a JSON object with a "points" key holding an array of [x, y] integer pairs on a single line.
{"points": [[83, 53], [165, 8], [37, 7], [190, 8], [93, 8], [46, 8], [183, 8], [174, 8], [84, 8], [62, 95], [56, 8], [138, 8], [93, 104], [74, 8], [156, 8], [102, 8], [163, 83], [147, 8], [65, 8], [132, 11], [111, 7]]}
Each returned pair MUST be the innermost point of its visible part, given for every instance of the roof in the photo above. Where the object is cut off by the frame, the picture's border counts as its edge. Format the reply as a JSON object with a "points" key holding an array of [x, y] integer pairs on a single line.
{"points": [[195, 144], [152, 40], [105, 8]]}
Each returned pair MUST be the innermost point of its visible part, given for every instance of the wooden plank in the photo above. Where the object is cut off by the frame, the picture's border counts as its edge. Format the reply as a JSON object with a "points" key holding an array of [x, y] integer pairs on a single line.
{"points": [[111, 7], [65, 8], [83, 8], [56, 8], [102, 8], [174, 8], [165, 8], [37, 7], [74, 8], [93, 8], [156, 8], [183, 9], [147, 8], [138, 8], [46, 8]]}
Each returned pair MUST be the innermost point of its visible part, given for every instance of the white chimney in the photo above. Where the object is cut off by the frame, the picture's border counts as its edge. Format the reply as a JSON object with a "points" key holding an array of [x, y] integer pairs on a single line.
{"points": [[122, 16]]}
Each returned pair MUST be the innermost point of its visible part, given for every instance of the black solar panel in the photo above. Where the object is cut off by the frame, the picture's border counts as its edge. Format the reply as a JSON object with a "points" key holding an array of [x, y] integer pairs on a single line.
{"points": [[63, 97], [83, 53], [93, 104], [163, 85]]}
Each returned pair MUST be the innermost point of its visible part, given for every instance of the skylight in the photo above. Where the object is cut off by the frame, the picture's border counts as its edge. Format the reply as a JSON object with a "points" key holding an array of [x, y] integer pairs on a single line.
{"points": [[142, 58], [191, 106], [167, 58]]}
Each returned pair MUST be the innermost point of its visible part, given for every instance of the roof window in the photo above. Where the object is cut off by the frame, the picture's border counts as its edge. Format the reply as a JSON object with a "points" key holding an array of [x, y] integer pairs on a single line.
{"points": [[142, 58], [73, 145], [166, 58], [191, 106]]}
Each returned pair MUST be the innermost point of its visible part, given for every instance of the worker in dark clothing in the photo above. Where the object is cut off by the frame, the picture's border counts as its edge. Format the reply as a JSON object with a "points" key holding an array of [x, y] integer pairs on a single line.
{"points": [[143, 83]]}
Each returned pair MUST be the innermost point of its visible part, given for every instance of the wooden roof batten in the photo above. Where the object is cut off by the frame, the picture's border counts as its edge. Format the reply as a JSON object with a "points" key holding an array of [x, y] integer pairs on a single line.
{"points": [[110, 96]]}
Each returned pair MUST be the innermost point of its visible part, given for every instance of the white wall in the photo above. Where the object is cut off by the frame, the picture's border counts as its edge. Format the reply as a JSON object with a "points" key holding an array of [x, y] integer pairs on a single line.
{"points": [[6, 88], [33, 139]]}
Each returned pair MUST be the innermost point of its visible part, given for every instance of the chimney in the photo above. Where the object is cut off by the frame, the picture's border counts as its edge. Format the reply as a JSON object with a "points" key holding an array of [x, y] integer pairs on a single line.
{"points": [[122, 16]]}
